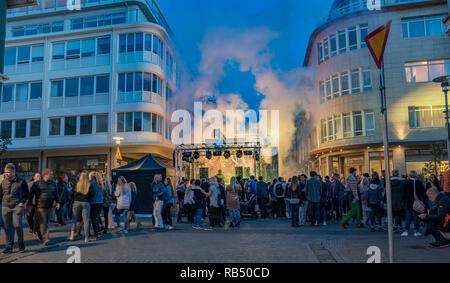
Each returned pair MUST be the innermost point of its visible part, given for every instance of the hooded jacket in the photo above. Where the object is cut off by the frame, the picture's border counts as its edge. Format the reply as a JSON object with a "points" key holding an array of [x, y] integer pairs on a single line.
{"points": [[313, 190], [374, 194], [397, 190], [441, 207], [13, 192]]}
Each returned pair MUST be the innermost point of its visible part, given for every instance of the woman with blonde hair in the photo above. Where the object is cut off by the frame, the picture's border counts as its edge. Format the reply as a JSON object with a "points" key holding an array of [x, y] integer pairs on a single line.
{"points": [[123, 195], [233, 204], [134, 206], [81, 196]]}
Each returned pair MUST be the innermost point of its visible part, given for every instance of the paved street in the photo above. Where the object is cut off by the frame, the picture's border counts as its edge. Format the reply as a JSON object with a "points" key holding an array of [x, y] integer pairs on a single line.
{"points": [[256, 241]]}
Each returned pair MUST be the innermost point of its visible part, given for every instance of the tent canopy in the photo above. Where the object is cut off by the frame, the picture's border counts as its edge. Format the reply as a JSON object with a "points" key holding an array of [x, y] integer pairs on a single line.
{"points": [[149, 163]]}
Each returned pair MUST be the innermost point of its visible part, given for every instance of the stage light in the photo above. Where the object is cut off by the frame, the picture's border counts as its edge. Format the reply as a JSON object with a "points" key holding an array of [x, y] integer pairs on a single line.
{"points": [[227, 154], [196, 155], [209, 154], [248, 152], [218, 153], [239, 154], [187, 154], [256, 156]]}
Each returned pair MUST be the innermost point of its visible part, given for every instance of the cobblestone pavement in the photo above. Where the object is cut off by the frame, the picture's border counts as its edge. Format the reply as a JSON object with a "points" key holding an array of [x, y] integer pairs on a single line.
{"points": [[256, 241]]}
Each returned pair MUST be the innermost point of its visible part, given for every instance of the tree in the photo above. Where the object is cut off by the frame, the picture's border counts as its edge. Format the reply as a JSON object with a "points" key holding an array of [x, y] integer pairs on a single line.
{"points": [[4, 143], [434, 166]]}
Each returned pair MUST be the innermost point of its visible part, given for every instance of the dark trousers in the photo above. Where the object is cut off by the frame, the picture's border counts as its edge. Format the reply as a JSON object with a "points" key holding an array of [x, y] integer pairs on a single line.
{"points": [[167, 214], [315, 211], [294, 213], [33, 220], [214, 216], [105, 215], [95, 211], [280, 207], [59, 216], [180, 212], [434, 230], [44, 218], [12, 222], [262, 203], [337, 208], [375, 210]]}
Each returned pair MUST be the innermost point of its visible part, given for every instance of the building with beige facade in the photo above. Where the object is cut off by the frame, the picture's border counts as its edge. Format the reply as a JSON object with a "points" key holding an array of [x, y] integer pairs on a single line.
{"points": [[342, 127]]}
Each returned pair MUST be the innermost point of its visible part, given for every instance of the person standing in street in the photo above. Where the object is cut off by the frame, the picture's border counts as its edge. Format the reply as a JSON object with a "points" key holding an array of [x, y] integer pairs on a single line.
{"points": [[303, 200], [262, 196], [134, 206], [168, 203], [352, 184], [279, 192], [46, 194], [158, 190], [337, 190], [123, 196], [14, 196], [96, 203], [293, 194], [213, 210], [81, 195], [63, 196], [32, 216], [107, 202], [398, 207], [313, 192], [233, 204], [414, 190], [199, 204]]}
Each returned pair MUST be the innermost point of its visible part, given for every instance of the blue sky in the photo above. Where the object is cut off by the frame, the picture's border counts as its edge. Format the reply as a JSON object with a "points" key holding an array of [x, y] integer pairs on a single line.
{"points": [[291, 20]]}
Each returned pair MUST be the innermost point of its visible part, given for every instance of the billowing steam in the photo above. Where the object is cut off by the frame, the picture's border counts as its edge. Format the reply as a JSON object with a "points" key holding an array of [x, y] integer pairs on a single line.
{"points": [[287, 92]]}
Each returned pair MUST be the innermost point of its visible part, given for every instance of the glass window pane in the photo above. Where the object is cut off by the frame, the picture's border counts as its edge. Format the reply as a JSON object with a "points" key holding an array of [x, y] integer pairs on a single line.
{"points": [[137, 121], [10, 56], [433, 27], [76, 24], [335, 84], [38, 53], [7, 93], [437, 70], [337, 127], [121, 82], [342, 41], [344, 83], [138, 81], [363, 31], [23, 55], [55, 127], [357, 123], [438, 117], [90, 22], [352, 39], [147, 122], [420, 74], [72, 87], [333, 45], [130, 82], [130, 42], [85, 125], [35, 128], [416, 29], [139, 41], [427, 118], [102, 84], [58, 50], [36, 90], [6, 129], [21, 129], [325, 49], [155, 45], [58, 26], [73, 48], [103, 45], [154, 123], [147, 82], [70, 126], [87, 86], [369, 122], [355, 81], [101, 123], [155, 83], [22, 92], [405, 30], [57, 88], [148, 42], [88, 46], [123, 43], [120, 122], [129, 121], [347, 125]]}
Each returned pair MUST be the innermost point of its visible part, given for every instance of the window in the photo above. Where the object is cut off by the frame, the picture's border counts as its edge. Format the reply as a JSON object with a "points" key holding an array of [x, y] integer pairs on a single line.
{"points": [[426, 71], [87, 86], [148, 42], [328, 88], [70, 126], [120, 122], [357, 124], [58, 51], [333, 45], [37, 53], [123, 43], [57, 88], [22, 92], [322, 92], [356, 88], [138, 81], [147, 82], [352, 39], [104, 20], [21, 129], [342, 41], [320, 52], [101, 123], [37, 29], [73, 49], [85, 125], [337, 127], [344, 83], [155, 123], [137, 121], [55, 127], [23, 55], [147, 122], [347, 123], [367, 81], [130, 42], [103, 45], [335, 84], [88, 47], [325, 50], [139, 41], [10, 56], [35, 128], [423, 26], [363, 32], [7, 94], [72, 87], [323, 131], [369, 122], [129, 122], [36, 90], [426, 116], [6, 129], [102, 84]]}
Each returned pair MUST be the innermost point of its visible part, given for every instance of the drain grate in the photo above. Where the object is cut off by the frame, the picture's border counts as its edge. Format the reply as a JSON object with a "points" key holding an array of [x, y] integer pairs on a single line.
{"points": [[322, 253]]}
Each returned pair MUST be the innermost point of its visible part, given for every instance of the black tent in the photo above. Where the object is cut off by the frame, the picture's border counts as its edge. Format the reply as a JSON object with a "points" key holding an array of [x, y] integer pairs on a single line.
{"points": [[141, 172]]}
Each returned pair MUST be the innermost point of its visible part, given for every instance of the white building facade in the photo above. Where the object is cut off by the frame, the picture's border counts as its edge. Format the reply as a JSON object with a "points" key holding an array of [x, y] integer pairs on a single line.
{"points": [[345, 128], [79, 76]]}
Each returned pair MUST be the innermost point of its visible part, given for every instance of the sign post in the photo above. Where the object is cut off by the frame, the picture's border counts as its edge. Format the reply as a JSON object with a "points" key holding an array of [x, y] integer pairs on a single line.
{"points": [[376, 42]]}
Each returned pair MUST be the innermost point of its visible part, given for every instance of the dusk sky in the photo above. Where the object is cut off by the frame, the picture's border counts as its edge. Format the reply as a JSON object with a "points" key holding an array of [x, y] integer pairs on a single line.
{"points": [[290, 23]]}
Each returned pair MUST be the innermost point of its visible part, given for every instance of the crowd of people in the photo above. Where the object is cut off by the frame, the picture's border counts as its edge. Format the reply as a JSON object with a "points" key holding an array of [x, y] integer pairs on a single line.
{"points": [[89, 200]]}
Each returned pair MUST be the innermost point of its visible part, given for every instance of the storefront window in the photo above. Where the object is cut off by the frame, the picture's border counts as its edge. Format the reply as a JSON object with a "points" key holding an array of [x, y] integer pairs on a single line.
{"points": [[74, 165], [377, 163]]}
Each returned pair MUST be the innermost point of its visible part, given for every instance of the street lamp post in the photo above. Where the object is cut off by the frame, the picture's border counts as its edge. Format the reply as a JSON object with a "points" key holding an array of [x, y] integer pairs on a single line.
{"points": [[445, 83]]}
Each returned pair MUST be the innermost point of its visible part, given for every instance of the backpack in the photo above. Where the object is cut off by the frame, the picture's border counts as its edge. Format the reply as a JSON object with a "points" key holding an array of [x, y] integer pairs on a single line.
{"points": [[279, 191]]}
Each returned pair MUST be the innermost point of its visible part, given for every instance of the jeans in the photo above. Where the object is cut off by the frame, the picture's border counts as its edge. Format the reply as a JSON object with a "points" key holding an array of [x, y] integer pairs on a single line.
{"points": [[60, 214], [375, 210], [354, 212], [125, 218], [411, 215], [33, 219], [180, 212], [295, 211], [84, 209], [336, 207], [157, 216], [189, 212], [262, 203], [44, 219], [95, 211], [167, 214], [198, 216], [12, 221], [235, 216], [280, 209], [315, 212], [106, 216], [214, 216], [132, 216], [434, 230], [288, 208], [303, 212]]}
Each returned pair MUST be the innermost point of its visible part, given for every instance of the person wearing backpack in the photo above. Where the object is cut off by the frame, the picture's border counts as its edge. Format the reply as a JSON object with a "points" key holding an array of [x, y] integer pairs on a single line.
{"points": [[199, 204], [279, 191], [262, 196], [251, 187]]}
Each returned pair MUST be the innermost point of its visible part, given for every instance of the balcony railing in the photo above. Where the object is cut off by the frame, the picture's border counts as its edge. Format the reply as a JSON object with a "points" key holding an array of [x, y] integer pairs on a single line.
{"points": [[61, 5], [83, 100], [18, 106]]}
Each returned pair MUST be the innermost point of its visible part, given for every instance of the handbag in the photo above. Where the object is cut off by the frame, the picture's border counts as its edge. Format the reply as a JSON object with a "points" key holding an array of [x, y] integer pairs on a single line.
{"points": [[294, 201], [418, 205]]}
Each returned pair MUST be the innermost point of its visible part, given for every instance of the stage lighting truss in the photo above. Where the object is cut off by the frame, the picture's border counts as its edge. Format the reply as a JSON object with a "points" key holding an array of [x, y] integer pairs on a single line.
{"points": [[227, 154], [196, 155], [217, 153], [209, 154], [239, 154]]}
